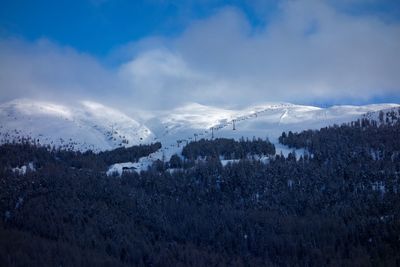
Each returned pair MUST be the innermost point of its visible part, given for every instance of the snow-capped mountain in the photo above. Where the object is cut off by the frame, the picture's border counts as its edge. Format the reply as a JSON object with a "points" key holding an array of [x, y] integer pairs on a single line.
{"points": [[97, 127], [269, 120], [194, 121], [87, 126]]}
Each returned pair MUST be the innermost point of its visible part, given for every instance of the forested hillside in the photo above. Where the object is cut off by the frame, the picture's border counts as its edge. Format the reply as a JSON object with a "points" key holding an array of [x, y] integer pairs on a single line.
{"points": [[18, 154], [336, 205], [228, 148]]}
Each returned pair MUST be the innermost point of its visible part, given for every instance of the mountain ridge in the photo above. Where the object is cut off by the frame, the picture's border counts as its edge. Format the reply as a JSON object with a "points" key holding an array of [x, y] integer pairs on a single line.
{"points": [[88, 126], [93, 126]]}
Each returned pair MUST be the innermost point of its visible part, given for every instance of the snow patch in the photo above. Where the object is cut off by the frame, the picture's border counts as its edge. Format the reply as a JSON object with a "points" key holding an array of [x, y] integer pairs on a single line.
{"points": [[118, 169], [225, 162], [23, 169]]}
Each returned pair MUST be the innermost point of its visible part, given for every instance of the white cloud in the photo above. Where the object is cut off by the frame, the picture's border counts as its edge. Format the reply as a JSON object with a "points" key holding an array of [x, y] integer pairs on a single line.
{"points": [[46, 70], [157, 74], [309, 51]]}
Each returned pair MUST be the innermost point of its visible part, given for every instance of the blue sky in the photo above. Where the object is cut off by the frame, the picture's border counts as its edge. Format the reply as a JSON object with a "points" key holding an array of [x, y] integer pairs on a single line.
{"points": [[307, 51], [98, 26]]}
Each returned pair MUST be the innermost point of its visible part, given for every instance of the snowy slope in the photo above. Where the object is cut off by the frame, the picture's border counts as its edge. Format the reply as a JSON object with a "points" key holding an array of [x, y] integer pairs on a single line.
{"points": [[196, 121], [385, 116], [193, 121], [94, 126], [88, 126]]}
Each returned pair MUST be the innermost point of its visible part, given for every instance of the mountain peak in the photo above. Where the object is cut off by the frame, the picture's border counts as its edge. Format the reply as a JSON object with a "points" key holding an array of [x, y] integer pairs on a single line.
{"points": [[92, 125], [87, 126]]}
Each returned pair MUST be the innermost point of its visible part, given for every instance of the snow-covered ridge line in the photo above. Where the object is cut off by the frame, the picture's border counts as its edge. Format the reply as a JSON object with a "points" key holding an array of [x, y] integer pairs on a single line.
{"points": [[193, 122], [97, 127], [88, 126]]}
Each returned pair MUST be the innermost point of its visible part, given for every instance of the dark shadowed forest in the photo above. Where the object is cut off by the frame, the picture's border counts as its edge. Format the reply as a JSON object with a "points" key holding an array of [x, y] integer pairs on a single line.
{"points": [[336, 205]]}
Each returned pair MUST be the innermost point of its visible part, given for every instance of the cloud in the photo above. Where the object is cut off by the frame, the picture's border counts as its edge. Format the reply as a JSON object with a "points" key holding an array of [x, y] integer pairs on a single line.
{"points": [[309, 51], [158, 74], [45, 70]]}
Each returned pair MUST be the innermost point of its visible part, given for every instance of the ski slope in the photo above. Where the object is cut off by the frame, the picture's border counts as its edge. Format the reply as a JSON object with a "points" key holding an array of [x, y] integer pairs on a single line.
{"points": [[94, 126], [194, 121]]}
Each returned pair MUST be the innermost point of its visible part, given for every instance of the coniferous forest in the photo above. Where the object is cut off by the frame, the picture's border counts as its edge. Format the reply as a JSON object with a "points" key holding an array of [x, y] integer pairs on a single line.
{"points": [[338, 204]]}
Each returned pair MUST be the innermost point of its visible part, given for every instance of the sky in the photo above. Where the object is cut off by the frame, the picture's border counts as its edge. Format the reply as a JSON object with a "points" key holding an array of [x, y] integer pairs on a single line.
{"points": [[160, 54]]}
